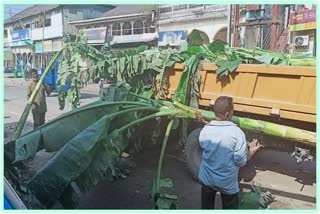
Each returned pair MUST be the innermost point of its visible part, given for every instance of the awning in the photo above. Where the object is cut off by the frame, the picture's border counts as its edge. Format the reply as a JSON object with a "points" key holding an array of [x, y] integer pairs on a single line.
{"points": [[95, 35], [146, 37]]}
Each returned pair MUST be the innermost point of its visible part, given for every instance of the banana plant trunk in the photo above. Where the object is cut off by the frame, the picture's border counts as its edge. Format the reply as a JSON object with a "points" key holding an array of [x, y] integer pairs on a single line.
{"points": [[273, 129], [24, 116]]}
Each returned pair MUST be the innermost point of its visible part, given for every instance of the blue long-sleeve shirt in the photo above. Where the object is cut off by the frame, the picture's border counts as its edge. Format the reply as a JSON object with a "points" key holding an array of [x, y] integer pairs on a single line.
{"points": [[224, 151]]}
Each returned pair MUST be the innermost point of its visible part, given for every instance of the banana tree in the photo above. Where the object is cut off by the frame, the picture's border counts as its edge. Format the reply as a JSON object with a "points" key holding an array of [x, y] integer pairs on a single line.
{"points": [[89, 150]]}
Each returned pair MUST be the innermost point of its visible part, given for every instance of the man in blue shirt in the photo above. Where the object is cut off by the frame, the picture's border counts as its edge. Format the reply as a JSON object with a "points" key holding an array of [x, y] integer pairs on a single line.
{"points": [[225, 150]]}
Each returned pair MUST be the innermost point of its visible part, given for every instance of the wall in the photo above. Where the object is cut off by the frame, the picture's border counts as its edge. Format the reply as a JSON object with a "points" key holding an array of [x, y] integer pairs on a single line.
{"points": [[208, 26], [68, 17], [310, 48], [8, 39], [53, 31]]}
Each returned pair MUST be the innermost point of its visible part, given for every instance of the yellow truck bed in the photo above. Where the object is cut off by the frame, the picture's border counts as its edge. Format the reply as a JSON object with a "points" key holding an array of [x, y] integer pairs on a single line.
{"points": [[284, 93]]}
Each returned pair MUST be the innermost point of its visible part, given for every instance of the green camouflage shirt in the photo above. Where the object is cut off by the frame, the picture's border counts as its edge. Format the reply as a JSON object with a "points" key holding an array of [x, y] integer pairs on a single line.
{"points": [[39, 103]]}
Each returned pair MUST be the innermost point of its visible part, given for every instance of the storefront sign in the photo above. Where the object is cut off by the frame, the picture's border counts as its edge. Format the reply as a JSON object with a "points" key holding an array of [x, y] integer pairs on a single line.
{"points": [[56, 45], [19, 35], [20, 43], [304, 20], [47, 46], [38, 47], [95, 35], [172, 38]]}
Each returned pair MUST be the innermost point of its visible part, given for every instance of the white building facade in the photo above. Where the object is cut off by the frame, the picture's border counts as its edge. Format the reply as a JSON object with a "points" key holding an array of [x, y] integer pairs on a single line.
{"points": [[125, 26], [210, 19], [38, 34]]}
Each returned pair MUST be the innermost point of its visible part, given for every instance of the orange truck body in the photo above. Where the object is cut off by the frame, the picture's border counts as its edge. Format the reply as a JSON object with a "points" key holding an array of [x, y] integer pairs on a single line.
{"points": [[282, 94]]}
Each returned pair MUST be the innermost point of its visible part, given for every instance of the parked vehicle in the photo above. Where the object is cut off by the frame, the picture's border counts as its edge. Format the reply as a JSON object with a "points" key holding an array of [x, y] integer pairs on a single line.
{"points": [[284, 95]]}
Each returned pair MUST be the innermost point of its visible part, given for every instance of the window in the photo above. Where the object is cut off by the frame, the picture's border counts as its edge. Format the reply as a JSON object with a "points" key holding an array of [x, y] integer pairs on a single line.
{"points": [[5, 33], [27, 25], [38, 24], [148, 26], [116, 29], [138, 27], [127, 28], [47, 22], [166, 9]]}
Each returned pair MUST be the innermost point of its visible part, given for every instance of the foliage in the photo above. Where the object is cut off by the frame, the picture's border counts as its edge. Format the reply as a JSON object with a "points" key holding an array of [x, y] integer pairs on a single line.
{"points": [[195, 38], [89, 149], [145, 69]]}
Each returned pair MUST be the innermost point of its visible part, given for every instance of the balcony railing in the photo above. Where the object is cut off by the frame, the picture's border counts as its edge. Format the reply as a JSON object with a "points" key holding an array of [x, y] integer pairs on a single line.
{"points": [[173, 11]]}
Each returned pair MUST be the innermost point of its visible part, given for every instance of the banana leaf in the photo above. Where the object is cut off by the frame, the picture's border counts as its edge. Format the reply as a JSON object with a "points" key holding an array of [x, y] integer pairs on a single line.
{"points": [[68, 163], [49, 136]]}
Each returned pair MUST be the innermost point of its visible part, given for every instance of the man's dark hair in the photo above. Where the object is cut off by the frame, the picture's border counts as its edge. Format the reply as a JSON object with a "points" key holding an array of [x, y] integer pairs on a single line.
{"points": [[34, 71], [222, 105]]}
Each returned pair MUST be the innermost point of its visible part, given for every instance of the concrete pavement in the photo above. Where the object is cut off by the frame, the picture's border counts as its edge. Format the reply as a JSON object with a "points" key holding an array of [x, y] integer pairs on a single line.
{"points": [[293, 185], [15, 100]]}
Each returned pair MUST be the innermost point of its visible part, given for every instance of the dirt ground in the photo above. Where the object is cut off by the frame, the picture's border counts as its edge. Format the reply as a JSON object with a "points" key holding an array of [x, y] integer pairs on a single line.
{"points": [[292, 184]]}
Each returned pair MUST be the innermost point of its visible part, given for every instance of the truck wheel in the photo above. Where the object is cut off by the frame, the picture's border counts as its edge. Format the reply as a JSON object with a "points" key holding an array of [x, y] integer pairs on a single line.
{"points": [[193, 153]]}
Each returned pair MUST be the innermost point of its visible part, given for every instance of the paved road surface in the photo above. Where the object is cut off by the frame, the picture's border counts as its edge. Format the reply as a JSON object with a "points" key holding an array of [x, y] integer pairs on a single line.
{"points": [[293, 185]]}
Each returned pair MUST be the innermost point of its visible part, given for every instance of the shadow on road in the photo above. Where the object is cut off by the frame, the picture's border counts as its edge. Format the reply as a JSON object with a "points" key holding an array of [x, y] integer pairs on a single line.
{"points": [[88, 95]]}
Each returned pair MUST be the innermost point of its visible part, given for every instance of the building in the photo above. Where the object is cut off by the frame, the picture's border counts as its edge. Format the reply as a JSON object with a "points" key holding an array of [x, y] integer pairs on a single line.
{"points": [[175, 22], [302, 28], [125, 26], [36, 33], [261, 26], [282, 28]]}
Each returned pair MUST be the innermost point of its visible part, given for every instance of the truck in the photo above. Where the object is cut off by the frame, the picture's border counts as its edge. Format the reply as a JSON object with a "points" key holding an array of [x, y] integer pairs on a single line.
{"points": [[284, 95]]}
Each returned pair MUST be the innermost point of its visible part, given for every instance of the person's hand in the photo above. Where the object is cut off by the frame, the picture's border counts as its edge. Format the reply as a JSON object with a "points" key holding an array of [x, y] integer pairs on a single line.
{"points": [[200, 118], [254, 145]]}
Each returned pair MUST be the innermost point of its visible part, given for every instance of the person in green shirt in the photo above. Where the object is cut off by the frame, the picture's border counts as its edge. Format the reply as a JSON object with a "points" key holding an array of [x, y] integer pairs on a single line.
{"points": [[39, 107]]}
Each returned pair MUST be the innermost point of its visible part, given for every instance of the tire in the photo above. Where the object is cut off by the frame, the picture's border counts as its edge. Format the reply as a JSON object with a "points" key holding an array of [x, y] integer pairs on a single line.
{"points": [[193, 153]]}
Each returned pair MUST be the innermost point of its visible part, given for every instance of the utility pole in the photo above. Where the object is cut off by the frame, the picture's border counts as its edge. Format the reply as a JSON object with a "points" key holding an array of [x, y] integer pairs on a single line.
{"points": [[44, 17], [274, 27], [229, 25], [236, 16]]}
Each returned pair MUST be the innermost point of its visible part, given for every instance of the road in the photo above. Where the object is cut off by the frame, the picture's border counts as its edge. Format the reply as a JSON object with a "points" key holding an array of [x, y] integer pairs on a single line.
{"points": [[293, 184], [15, 101]]}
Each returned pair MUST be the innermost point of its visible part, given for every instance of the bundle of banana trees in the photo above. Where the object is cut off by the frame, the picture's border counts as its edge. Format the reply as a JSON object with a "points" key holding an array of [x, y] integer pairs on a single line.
{"points": [[89, 140]]}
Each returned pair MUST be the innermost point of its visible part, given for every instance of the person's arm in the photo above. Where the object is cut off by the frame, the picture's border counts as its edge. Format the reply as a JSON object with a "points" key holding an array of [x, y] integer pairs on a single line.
{"points": [[253, 147], [201, 118], [240, 150], [47, 89], [29, 92]]}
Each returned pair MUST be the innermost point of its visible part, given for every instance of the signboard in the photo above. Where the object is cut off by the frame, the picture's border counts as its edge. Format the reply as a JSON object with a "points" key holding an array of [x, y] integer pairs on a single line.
{"points": [[172, 38], [38, 47], [20, 43], [95, 35], [303, 20], [20, 35], [57, 45], [47, 46]]}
